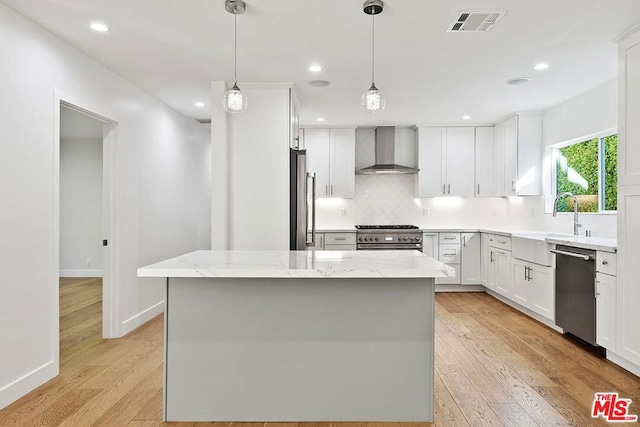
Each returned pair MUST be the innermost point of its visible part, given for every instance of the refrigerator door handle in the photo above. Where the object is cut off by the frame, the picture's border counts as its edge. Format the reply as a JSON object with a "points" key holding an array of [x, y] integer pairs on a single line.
{"points": [[313, 208]]}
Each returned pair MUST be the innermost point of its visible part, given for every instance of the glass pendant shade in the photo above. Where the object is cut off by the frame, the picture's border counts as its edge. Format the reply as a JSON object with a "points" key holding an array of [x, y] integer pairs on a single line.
{"points": [[234, 100], [372, 100]]}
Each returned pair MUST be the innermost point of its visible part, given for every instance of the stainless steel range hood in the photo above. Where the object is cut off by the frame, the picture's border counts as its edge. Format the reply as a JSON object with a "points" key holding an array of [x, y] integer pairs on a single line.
{"points": [[385, 154]]}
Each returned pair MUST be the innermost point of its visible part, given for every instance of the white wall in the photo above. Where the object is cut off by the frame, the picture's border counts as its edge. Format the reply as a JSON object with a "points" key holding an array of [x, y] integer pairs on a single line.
{"points": [[589, 113], [162, 167], [81, 207], [258, 170]]}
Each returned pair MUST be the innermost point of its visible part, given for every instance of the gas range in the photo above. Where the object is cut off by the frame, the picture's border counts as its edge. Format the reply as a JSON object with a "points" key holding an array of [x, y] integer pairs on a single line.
{"points": [[389, 237]]}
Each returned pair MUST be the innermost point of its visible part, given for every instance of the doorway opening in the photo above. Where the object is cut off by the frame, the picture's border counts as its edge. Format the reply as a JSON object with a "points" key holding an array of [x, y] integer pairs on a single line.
{"points": [[81, 218], [84, 145]]}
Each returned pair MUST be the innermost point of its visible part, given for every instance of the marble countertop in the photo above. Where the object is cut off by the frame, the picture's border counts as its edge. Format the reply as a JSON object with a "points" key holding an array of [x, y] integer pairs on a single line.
{"points": [[300, 264]]}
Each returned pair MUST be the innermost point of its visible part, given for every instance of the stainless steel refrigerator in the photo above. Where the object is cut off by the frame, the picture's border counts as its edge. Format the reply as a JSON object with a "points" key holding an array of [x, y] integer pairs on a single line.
{"points": [[302, 215]]}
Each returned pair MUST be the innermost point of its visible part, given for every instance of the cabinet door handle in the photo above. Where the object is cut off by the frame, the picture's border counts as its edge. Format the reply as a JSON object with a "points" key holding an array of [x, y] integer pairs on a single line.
{"points": [[331, 187], [491, 252], [513, 186], [464, 241], [478, 188], [604, 262], [448, 238], [339, 238], [449, 185], [444, 188], [326, 190], [525, 272]]}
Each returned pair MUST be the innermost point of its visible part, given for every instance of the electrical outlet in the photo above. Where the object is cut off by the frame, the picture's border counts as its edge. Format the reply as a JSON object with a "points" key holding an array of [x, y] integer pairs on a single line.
{"points": [[88, 263], [342, 212], [425, 212]]}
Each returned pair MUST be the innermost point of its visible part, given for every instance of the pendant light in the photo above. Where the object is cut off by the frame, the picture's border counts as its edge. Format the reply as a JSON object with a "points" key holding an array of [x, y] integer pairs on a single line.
{"points": [[372, 100], [234, 100]]}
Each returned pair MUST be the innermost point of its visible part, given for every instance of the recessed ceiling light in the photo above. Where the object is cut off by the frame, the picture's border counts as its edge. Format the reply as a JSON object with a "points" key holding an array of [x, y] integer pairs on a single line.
{"points": [[518, 81], [319, 83], [466, 117], [320, 119], [315, 68], [99, 27], [541, 66], [199, 104]]}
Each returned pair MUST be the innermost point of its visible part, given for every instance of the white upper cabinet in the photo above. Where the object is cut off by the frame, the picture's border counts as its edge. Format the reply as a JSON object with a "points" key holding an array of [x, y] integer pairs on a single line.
{"points": [[485, 162], [331, 155], [629, 111], [446, 161], [518, 156]]}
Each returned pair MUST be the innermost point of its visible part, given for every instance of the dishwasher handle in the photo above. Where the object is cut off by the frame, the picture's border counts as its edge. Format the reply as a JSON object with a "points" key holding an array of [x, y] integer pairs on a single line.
{"points": [[573, 254]]}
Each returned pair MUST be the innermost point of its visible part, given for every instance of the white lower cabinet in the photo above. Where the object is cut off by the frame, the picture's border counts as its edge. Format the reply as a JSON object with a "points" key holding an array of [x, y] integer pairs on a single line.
{"points": [[532, 287], [430, 244], [606, 310], [449, 253], [484, 259], [342, 241], [502, 271], [470, 259]]}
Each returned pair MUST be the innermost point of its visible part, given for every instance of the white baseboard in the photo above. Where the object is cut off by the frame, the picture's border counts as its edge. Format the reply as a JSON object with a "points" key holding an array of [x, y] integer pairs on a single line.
{"points": [[80, 273], [620, 361], [459, 288], [133, 322], [13, 391]]}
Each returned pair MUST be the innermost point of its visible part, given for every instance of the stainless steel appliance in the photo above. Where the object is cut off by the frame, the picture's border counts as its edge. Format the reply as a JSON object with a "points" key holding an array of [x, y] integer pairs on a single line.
{"points": [[386, 155], [302, 193], [371, 237], [576, 292]]}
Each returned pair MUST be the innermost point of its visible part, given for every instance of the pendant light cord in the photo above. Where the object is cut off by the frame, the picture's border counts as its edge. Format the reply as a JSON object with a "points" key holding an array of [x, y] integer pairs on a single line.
{"points": [[373, 47], [235, 46]]}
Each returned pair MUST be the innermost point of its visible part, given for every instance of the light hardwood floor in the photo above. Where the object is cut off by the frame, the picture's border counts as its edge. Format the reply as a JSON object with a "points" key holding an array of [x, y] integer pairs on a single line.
{"points": [[494, 366]]}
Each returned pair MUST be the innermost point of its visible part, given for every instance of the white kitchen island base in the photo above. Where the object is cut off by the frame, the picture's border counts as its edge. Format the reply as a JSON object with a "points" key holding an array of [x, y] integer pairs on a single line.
{"points": [[346, 336]]}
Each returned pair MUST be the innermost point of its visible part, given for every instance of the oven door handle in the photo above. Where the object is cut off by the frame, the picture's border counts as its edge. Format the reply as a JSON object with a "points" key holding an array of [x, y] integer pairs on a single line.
{"points": [[573, 254]]}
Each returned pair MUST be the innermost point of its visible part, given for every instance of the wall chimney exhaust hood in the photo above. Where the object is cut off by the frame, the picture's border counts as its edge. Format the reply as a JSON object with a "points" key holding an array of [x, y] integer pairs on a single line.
{"points": [[385, 155]]}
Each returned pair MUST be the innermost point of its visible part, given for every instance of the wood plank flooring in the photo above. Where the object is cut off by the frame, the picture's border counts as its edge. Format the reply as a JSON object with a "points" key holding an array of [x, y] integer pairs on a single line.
{"points": [[493, 367]]}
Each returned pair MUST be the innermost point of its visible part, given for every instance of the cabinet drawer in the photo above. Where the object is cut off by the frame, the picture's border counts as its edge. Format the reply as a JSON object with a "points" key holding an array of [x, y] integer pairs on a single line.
{"points": [[339, 238], [449, 238], [501, 242], [450, 253], [606, 262]]}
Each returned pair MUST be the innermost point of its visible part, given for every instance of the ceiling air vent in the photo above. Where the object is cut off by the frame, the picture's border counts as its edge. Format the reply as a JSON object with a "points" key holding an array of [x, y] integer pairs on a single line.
{"points": [[475, 20]]}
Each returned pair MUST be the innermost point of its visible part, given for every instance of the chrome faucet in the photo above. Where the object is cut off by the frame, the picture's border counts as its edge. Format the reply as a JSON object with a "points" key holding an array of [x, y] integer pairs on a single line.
{"points": [[575, 210]]}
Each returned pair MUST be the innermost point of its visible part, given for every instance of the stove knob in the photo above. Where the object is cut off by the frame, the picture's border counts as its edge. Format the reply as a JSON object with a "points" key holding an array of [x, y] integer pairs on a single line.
{"points": [[377, 239], [419, 239], [402, 239], [360, 239]]}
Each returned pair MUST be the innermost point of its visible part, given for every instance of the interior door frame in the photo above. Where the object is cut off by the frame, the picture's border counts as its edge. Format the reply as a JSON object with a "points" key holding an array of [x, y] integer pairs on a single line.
{"points": [[109, 217]]}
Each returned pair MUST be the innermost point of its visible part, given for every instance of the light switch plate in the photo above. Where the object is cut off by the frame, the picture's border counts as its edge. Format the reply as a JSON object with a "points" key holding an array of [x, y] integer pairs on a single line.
{"points": [[342, 212]]}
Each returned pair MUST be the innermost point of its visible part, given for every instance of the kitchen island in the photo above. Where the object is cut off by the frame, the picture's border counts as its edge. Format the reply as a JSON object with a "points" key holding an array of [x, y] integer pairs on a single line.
{"points": [[299, 335]]}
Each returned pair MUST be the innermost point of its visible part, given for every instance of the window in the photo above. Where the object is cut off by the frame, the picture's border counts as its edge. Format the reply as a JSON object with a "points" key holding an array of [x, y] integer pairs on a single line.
{"points": [[589, 170]]}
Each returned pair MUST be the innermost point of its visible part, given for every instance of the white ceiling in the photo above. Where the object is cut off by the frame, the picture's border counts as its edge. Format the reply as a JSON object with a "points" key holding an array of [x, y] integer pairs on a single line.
{"points": [[174, 48]]}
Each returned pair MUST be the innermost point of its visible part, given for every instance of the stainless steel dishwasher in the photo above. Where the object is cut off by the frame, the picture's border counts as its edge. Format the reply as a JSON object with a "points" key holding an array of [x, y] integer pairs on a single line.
{"points": [[576, 292]]}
